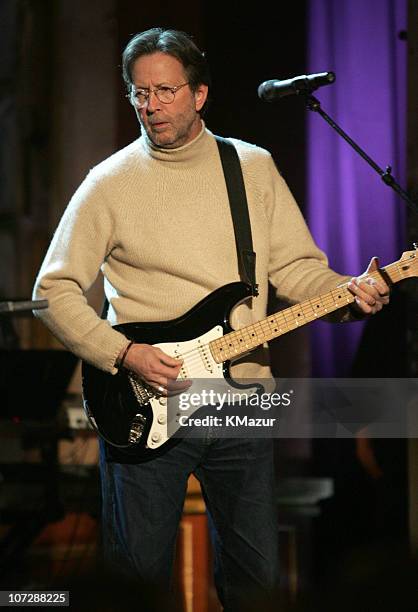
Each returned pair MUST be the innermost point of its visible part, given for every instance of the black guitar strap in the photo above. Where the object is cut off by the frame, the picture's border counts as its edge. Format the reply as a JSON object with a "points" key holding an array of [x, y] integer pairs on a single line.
{"points": [[239, 211]]}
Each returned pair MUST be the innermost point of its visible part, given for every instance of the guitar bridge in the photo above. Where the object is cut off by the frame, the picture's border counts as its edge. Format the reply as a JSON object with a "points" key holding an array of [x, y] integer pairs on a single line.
{"points": [[137, 428]]}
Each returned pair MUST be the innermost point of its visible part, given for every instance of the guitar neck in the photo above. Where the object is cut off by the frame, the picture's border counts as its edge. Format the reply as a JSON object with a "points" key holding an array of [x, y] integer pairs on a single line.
{"points": [[238, 342]]}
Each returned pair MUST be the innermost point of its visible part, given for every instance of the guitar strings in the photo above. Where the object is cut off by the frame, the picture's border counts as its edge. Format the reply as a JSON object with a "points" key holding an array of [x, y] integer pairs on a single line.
{"points": [[287, 319], [194, 356]]}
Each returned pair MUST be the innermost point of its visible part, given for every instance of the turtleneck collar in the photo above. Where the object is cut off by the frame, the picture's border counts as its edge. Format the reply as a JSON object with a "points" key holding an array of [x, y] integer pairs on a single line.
{"points": [[195, 150]]}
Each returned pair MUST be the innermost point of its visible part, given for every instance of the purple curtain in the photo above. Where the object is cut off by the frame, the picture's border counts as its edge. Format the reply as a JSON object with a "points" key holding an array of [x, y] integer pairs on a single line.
{"points": [[351, 213]]}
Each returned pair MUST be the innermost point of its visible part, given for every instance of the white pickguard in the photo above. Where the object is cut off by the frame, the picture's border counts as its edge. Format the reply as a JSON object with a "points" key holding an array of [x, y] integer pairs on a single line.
{"points": [[198, 364]]}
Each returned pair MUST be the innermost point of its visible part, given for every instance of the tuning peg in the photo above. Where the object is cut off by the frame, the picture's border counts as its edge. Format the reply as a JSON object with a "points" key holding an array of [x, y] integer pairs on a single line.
{"points": [[415, 245]]}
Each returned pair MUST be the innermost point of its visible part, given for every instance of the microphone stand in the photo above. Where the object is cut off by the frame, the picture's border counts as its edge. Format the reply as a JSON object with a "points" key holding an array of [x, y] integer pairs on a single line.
{"points": [[313, 104]]}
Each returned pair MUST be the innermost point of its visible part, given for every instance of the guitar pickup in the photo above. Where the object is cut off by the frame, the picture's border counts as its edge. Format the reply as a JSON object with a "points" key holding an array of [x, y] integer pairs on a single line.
{"points": [[206, 358], [137, 428]]}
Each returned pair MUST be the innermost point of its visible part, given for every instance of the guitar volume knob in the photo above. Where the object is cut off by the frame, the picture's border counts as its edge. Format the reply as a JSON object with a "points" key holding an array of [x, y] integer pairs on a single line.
{"points": [[162, 419], [156, 437]]}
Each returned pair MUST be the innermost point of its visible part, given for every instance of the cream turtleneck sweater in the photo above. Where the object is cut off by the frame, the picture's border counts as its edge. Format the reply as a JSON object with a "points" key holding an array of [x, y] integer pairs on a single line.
{"points": [[157, 222]]}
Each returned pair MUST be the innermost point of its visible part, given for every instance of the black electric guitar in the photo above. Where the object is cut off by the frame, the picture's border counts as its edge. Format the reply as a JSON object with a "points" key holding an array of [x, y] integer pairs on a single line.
{"points": [[129, 414]]}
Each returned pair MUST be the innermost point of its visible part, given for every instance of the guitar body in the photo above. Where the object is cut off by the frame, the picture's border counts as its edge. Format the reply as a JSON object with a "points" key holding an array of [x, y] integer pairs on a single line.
{"points": [[128, 414]]}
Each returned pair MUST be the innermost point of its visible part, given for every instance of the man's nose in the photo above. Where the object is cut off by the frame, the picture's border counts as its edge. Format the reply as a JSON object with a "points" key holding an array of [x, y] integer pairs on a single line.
{"points": [[153, 102]]}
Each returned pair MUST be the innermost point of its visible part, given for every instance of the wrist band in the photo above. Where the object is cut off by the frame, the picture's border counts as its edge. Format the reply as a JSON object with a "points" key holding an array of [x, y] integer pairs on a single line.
{"points": [[120, 364]]}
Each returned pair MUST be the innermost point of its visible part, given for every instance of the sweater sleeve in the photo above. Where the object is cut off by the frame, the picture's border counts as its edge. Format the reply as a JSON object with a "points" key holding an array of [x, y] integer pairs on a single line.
{"points": [[81, 243], [298, 269]]}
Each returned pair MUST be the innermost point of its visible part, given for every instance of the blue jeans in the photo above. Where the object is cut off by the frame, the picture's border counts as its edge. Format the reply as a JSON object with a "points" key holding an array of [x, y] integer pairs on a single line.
{"points": [[143, 503]]}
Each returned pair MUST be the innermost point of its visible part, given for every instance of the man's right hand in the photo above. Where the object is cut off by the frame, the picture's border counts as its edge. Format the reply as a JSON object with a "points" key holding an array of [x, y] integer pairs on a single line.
{"points": [[152, 365]]}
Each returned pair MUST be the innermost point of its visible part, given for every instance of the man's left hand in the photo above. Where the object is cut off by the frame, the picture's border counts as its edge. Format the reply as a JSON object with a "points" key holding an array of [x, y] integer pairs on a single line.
{"points": [[371, 294]]}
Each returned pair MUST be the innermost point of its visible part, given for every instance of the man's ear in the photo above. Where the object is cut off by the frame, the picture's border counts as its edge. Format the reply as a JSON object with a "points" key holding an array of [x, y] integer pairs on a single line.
{"points": [[200, 96]]}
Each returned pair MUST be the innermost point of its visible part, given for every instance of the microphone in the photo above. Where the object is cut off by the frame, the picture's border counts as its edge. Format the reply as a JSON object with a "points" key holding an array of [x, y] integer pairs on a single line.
{"points": [[273, 90], [22, 305]]}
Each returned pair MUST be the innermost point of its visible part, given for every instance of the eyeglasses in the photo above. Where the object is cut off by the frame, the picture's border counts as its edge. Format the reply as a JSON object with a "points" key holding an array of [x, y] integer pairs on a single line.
{"points": [[166, 95]]}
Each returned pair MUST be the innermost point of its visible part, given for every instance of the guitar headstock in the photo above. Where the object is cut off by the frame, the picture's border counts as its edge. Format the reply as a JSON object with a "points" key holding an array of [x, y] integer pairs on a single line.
{"points": [[409, 263]]}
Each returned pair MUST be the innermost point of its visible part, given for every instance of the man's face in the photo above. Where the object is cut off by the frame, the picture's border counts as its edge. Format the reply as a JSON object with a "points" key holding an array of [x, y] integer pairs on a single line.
{"points": [[167, 125]]}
